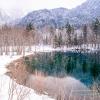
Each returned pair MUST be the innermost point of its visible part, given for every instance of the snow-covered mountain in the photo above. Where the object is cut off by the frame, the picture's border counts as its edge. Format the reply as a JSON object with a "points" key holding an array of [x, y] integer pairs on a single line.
{"points": [[46, 17], [60, 16], [4, 18], [85, 12]]}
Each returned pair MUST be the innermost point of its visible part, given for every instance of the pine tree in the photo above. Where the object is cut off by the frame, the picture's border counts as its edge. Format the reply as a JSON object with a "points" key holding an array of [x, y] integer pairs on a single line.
{"points": [[29, 27], [96, 27], [75, 40], [57, 41], [69, 32], [85, 31], [60, 39], [55, 44]]}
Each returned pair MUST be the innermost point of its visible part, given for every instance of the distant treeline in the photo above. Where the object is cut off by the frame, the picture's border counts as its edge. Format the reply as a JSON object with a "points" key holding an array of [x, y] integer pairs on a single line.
{"points": [[68, 35]]}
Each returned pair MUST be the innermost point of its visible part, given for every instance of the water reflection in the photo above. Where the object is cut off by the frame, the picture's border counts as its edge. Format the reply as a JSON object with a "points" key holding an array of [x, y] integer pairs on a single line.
{"points": [[84, 67]]}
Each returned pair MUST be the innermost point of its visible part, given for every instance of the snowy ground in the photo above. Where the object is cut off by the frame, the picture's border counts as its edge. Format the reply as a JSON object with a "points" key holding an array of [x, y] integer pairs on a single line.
{"points": [[6, 84], [49, 48], [9, 90]]}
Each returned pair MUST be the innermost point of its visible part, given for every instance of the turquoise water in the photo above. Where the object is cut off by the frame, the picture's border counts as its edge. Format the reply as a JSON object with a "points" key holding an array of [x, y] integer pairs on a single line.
{"points": [[84, 67]]}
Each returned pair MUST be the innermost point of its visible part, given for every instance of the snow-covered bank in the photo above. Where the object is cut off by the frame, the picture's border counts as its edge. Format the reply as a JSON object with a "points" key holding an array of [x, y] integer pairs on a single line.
{"points": [[4, 60], [14, 50], [9, 90], [49, 48], [29, 94]]}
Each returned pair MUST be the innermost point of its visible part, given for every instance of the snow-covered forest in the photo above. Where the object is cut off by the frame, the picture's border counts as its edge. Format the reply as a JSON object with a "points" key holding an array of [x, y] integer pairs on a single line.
{"points": [[20, 39], [16, 42], [51, 53]]}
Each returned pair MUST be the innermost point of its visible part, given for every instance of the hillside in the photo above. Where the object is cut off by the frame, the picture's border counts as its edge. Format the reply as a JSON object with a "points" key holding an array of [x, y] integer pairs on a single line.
{"points": [[60, 16]]}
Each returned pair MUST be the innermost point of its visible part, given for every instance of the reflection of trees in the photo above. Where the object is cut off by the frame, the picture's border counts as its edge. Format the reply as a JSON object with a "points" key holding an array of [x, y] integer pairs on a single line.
{"points": [[58, 57], [95, 70], [68, 66], [84, 67], [61, 64]]}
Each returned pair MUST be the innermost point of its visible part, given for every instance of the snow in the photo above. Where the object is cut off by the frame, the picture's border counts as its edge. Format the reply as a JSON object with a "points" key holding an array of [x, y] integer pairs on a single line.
{"points": [[5, 80], [4, 60], [7, 84], [19, 91], [49, 48]]}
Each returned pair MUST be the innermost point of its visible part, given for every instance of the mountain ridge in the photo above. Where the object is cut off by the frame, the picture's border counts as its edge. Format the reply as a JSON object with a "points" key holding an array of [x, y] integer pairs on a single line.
{"points": [[58, 17], [82, 14]]}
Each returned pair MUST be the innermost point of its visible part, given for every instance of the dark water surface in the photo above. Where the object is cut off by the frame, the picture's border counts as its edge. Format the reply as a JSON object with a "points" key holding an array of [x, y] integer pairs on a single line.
{"points": [[84, 67]]}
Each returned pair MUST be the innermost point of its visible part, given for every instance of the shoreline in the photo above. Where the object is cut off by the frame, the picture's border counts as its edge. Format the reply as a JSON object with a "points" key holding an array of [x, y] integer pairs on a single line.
{"points": [[12, 51]]}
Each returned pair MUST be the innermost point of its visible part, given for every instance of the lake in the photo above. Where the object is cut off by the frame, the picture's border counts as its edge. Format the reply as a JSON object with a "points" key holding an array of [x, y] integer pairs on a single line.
{"points": [[84, 67]]}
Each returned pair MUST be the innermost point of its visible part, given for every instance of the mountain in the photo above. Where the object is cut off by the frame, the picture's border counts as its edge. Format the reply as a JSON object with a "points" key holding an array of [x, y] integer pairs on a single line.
{"points": [[46, 17], [4, 18], [84, 13]]}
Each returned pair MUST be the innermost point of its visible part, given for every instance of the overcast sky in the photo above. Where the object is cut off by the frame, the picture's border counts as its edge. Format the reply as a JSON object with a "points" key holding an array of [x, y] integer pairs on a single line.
{"points": [[22, 7]]}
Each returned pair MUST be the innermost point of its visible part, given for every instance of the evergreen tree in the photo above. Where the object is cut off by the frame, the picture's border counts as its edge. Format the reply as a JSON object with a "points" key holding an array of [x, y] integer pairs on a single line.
{"points": [[57, 41], [75, 40], [96, 27], [55, 44], [29, 27], [85, 31], [69, 32]]}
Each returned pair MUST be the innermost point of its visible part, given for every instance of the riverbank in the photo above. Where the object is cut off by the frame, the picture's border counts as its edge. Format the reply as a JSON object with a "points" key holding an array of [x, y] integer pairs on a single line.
{"points": [[45, 84], [23, 50], [9, 89], [13, 57]]}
